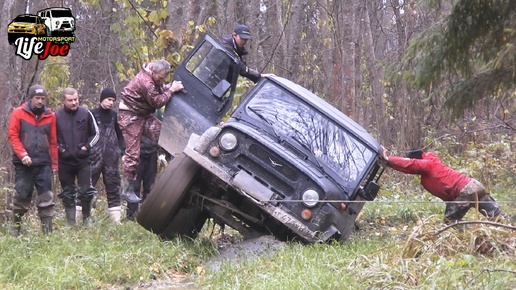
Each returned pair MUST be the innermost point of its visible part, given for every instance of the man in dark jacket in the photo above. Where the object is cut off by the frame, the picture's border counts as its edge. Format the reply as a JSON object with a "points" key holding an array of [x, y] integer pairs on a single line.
{"points": [[235, 44], [77, 133], [32, 135], [141, 97], [105, 155], [446, 184]]}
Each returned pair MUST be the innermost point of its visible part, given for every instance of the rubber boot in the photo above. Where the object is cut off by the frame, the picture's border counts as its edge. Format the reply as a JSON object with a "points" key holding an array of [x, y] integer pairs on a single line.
{"points": [[15, 229], [115, 214], [128, 191], [132, 211], [86, 213], [78, 212], [70, 215], [46, 225]]}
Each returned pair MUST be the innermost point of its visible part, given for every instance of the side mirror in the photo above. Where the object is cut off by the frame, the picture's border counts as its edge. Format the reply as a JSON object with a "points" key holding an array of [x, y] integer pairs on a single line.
{"points": [[221, 88]]}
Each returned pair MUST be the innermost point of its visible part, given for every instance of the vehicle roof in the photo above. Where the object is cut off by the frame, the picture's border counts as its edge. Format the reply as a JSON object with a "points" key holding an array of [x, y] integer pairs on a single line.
{"points": [[25, 15], [55, 8], [329, 110]]}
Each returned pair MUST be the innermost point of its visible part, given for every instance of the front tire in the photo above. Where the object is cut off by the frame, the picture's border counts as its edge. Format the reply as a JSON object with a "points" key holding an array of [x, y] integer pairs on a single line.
{"points": [[168, 194]]}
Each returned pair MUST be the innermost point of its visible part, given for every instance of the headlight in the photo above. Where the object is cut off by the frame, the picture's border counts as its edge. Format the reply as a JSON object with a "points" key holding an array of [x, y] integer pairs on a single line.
{"points": [[228, 141], [310, 198]]}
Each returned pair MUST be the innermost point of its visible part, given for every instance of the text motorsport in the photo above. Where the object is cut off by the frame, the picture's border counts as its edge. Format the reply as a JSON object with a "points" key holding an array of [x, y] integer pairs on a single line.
{"points": [[57, 38]]}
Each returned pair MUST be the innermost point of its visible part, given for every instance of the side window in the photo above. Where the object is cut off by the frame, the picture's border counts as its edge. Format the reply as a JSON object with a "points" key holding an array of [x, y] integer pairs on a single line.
{"points": [[209, 65]]}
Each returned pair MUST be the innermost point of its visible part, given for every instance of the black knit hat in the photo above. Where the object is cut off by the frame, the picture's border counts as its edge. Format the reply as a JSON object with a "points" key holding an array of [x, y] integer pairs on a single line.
{"points": [[37, 90], [107, 93]]}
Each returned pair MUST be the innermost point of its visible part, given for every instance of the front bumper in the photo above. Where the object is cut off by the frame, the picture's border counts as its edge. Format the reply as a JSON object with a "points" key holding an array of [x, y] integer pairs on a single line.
{"points": [[246, 185]]}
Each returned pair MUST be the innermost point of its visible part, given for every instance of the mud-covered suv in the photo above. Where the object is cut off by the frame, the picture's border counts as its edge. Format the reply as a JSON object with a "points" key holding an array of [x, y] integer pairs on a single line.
{"points": [[285, 163]]}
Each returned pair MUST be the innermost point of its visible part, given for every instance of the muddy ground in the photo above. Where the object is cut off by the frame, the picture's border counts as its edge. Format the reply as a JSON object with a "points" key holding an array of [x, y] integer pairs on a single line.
{"points": [[230, 252]]}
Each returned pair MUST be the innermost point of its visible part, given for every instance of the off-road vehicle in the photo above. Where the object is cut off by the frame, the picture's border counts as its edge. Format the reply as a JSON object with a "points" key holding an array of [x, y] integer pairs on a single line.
{"points": [[58, 20], [25, 25], [285, 163]]}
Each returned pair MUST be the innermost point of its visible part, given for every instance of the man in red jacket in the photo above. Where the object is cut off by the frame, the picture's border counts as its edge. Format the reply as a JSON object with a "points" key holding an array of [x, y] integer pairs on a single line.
{"points": [[446, 183], [32, 135]]}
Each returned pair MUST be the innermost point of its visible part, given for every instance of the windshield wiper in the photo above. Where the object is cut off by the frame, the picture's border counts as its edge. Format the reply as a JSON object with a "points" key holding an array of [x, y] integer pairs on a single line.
{"points": [[317, 162], [266, 121]]}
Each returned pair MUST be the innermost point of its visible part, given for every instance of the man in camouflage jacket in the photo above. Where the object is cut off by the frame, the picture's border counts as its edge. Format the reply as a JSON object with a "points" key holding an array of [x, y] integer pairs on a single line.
{"points": [[145, 93]]}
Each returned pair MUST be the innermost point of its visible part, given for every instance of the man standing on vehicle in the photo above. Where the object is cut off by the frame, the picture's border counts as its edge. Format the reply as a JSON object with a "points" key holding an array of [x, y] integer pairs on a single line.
{"points": [[235, 44], [145, 93], [32, 135], [105, 155], [77, 133]]}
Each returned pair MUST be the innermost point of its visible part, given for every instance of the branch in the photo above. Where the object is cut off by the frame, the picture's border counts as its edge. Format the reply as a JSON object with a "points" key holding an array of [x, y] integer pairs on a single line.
{"points": [[474, 222], [489, 271], [144, 20]]}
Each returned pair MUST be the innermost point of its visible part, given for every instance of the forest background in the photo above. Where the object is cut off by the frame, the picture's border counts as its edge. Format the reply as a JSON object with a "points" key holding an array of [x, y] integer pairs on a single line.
{"points": [[433, 74]]}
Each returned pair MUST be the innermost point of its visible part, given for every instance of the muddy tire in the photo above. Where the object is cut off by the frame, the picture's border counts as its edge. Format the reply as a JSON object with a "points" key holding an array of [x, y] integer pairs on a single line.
{"points": [[168, 194], [187, 222]]}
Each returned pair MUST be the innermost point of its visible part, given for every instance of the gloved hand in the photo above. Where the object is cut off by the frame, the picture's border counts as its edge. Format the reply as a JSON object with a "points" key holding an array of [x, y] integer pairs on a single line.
{"points": [[162, 159]]}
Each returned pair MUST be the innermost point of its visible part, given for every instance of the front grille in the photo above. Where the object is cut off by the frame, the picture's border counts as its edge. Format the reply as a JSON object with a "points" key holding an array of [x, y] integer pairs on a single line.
{"points": [[264, 175], [274, 162]]}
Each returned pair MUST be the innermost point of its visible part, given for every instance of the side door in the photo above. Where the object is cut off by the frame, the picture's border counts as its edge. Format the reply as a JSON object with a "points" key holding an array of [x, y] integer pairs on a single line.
{"points": [[46, 19], [209, 75]]}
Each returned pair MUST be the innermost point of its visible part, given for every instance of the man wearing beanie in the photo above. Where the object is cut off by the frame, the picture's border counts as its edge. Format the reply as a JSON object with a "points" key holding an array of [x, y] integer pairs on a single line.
{"points": [[32, 135], [105, 156]]}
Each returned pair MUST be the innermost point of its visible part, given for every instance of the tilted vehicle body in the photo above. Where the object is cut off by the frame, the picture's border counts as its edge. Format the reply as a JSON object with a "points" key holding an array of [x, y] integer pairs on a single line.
{"points": [[25, 25], [285, 163]]}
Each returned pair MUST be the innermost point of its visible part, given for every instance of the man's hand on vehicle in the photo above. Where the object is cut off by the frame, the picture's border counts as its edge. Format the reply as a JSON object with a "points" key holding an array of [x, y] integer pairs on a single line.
{"points": [[383, 154], [175, 86]]}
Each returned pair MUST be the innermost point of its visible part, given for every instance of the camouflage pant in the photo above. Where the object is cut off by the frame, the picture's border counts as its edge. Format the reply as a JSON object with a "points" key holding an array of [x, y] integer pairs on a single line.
{"points": [[133, 127], [26, 178], [472, 194]]}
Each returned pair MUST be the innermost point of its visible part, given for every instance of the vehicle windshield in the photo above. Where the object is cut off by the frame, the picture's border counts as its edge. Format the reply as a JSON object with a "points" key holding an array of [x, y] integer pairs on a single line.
{"points": [[61, 13], [26, 19], [329, 143]]}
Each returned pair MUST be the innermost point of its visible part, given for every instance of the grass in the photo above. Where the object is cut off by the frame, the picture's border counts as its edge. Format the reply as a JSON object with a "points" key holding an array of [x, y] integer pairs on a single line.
{"points": [[394, 247]]}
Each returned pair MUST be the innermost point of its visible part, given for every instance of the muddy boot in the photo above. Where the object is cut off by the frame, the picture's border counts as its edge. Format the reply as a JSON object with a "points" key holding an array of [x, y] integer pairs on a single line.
{"points": [[46, 225], [86, 213], [15, 230], [70, 215], [132, 211], [115, 214], [128, 191], [489, 208]]}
